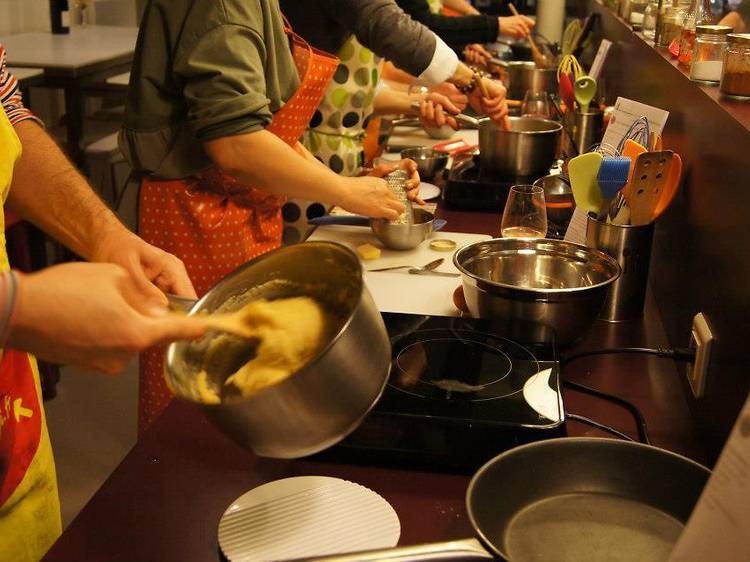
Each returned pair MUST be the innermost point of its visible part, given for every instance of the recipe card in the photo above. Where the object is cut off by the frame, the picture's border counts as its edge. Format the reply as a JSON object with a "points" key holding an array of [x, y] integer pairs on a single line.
{"points": [[626, 113]]}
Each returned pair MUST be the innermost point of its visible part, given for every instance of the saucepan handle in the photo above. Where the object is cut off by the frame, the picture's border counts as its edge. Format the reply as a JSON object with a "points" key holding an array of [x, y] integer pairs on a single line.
{"points": [[461, 117], [469, 549], [177, 302], [340, 220], [499, 62]]}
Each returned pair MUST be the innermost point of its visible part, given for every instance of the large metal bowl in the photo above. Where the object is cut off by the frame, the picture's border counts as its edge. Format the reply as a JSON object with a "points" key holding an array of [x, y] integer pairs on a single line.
{"points": [[325, 400], [404, 236], [429, 162], [528, 149], [531, 286]]}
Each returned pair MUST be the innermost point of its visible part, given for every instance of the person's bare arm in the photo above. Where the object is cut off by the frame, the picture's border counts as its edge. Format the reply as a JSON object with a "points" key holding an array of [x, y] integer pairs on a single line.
{"points": [[263, 160], [462, 7], [48, 191], [735, 21]]}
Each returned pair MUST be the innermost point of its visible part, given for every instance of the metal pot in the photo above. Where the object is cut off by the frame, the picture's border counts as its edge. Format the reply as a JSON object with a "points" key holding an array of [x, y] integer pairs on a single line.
{"points": [[569, 500], [429, 162], [528, 149], [531, 286], [524, 76], [325, 400]]}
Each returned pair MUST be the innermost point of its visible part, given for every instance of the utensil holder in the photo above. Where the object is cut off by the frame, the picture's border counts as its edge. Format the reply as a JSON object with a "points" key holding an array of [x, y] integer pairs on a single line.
{"points": [[631, 247], [587, 129]]}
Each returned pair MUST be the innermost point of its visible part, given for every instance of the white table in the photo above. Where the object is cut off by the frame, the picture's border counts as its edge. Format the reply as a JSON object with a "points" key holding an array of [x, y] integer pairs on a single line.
{"points": [[86, 55], [27, 77]]}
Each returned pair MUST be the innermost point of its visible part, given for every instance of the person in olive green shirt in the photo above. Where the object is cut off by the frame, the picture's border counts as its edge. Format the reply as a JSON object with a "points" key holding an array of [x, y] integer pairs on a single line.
{"points": [[206, 79]]}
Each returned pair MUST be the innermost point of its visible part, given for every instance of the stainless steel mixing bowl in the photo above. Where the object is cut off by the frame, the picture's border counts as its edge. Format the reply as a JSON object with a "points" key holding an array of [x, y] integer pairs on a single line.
{"points": [[531, 286], [404, 236], [429, 162], [325, 400]]}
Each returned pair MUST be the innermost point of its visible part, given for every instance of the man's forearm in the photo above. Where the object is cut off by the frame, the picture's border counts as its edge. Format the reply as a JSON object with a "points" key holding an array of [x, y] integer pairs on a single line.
{"points": [[48, 191]]}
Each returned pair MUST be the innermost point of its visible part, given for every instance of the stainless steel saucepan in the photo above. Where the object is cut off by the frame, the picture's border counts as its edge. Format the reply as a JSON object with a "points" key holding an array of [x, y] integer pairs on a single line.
{"points": [[528, 149], [329, 396], [524, 76], [570, 500]]}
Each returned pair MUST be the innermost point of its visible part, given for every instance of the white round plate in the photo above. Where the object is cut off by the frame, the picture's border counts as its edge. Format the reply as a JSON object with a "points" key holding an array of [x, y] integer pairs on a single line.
{"points": [[305, 517], [428, 191]]}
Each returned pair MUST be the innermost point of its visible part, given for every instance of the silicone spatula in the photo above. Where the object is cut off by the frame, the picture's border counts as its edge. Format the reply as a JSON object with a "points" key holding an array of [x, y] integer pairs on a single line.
{"points": [[631, 150], [583, 171], [649, 178], [671, 187]]}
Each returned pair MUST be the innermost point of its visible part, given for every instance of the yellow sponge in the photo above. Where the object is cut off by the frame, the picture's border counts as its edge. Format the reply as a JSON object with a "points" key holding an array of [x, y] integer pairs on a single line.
{"points": [[368, 252]]}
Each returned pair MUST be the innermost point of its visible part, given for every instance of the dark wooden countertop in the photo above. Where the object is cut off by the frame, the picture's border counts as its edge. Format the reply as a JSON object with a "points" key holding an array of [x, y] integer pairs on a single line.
{"points": [[165, 500]]}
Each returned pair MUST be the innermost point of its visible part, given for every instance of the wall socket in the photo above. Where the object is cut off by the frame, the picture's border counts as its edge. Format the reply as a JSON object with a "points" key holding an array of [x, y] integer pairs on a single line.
{"points": [[701, 340]]}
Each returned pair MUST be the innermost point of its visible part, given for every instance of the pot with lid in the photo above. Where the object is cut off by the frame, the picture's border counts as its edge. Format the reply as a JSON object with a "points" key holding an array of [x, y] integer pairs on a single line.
{"points": [[327, 398]]}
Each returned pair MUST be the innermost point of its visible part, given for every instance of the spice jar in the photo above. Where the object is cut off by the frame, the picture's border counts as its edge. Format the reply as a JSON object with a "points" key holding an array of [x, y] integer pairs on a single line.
{"points": [[649, 19], [671, 25], [735, 80], [699, 13], [708, 52]]}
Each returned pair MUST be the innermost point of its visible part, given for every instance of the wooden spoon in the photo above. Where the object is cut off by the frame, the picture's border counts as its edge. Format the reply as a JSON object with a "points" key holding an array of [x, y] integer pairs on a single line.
{"points": [[539, 59]]}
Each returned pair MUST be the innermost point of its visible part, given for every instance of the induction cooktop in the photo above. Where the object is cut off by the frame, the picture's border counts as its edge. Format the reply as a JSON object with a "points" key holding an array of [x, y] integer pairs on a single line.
{"points": [[460, 392], [469, 188]]}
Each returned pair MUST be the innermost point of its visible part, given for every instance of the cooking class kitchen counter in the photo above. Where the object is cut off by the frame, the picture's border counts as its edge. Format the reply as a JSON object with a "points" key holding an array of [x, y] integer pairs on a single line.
{"points": [[165, 499], [637, 48]]}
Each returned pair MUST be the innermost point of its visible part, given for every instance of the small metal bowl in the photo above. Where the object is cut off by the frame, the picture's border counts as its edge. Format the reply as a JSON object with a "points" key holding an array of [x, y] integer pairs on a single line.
{"points": [[403, 236], [429, 162], [541, 284]]}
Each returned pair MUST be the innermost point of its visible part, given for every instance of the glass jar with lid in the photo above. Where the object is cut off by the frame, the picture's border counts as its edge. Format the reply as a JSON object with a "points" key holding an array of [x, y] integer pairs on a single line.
{"points": [[671, 25], [699, 13], [708, 52], [649, 19], [735, 78]]}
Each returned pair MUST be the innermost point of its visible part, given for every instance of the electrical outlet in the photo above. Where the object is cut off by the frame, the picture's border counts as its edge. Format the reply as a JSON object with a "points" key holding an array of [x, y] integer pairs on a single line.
{"points": [[701, 340]]}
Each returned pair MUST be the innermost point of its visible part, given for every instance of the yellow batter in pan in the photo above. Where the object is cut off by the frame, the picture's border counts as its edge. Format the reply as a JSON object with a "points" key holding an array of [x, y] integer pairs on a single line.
{"points": [[289, 332]]}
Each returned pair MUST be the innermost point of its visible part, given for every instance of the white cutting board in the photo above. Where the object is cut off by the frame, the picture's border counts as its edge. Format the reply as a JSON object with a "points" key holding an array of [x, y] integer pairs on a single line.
{"points": [[399, 291]]}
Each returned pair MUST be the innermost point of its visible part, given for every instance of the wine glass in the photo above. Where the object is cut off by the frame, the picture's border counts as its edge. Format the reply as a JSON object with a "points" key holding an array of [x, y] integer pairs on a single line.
{"points": [[536, 104], [525, 214]]}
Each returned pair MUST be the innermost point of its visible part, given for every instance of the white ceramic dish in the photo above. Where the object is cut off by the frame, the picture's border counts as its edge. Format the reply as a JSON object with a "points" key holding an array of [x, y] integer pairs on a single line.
{"points": [[306, 517]]}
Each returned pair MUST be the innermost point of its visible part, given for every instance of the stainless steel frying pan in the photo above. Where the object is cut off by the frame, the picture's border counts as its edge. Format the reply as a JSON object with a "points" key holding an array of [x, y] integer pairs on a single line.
{"points": [[570, 500]]}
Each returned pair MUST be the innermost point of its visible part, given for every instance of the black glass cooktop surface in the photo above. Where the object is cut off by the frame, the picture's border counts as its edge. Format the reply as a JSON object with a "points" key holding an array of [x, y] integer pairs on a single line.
{"points": [[460, 391]]}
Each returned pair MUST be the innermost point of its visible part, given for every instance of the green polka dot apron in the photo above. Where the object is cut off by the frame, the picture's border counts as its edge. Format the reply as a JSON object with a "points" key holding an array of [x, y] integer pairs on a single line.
{"points": [[337, 128]]}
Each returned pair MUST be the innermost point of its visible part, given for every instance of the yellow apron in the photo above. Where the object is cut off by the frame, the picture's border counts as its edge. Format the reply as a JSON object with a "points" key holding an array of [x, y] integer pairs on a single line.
{"points": [[29, 505]]}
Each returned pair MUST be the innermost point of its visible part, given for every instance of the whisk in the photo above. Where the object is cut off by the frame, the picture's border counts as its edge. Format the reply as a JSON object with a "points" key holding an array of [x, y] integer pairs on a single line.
{"points": [[570, 65], [639, 131], [570, 36]]}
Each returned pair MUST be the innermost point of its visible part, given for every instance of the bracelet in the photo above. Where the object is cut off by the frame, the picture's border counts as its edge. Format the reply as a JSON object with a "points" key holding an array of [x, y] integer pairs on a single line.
{"points": [[476, 76]]}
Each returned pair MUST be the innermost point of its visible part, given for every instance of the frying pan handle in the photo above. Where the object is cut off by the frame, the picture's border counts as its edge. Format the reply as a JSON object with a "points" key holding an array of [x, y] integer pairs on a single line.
{"points": [[461, 117], [469, 549]]}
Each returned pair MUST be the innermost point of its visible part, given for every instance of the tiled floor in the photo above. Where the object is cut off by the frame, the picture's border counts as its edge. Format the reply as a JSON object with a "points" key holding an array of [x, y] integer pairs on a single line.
{"points": [[92, 424]]}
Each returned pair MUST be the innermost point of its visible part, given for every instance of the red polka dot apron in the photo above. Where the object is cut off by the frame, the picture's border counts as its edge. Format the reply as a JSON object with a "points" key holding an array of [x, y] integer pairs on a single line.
{"points": [[29, 505], [215, 224]]}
